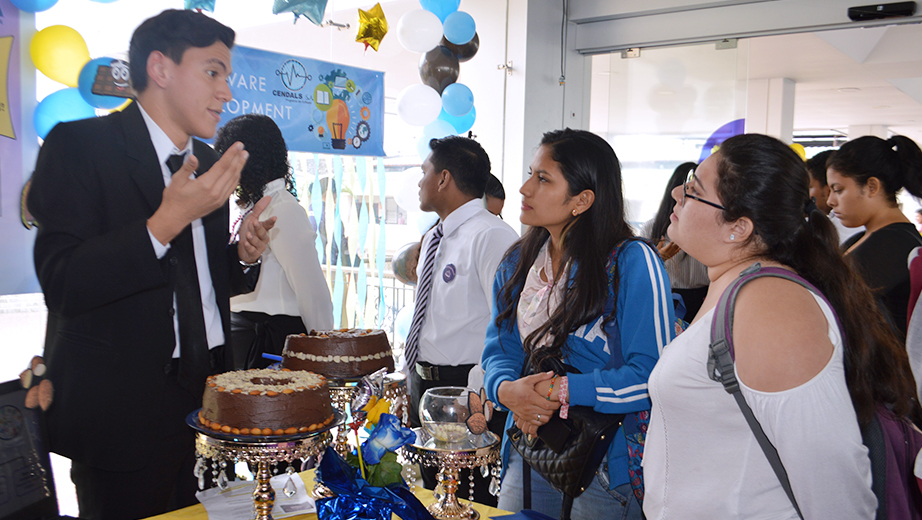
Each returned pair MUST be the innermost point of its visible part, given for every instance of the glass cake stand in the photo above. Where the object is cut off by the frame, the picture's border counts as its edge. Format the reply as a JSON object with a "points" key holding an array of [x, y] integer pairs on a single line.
{"points": [[473, 451], [223, 448], [342, 391]]}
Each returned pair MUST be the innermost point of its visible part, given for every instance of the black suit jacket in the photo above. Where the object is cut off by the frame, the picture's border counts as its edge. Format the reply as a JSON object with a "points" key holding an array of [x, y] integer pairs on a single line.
{"points": [[109, 338]]}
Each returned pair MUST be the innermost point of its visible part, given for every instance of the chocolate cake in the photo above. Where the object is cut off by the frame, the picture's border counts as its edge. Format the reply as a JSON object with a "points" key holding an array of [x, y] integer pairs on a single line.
{"points": [[337, 354], [266, 402]]}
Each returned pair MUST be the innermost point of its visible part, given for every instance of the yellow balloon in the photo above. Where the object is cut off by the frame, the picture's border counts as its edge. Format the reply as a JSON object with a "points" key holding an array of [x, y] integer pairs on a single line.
{"points": [[799, 149], [121, 107], [59, 52]]}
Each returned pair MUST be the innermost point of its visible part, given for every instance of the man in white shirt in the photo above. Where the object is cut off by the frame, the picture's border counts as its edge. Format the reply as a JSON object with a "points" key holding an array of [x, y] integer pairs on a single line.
{"points": [[819, 190], [453, 324]]}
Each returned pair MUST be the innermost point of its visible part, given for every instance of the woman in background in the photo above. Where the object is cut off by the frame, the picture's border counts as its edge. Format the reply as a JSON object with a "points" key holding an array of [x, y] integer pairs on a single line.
{"points": [[291, 296], [688, 277], [864, 177], [579, 288]]}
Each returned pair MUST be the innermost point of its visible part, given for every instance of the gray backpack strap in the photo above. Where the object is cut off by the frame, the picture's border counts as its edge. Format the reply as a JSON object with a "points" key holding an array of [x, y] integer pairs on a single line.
{"points": [[721, 356]]}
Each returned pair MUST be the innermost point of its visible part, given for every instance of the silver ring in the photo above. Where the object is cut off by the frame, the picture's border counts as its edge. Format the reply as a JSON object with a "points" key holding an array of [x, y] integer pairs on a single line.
{"points": [[539, 416]]}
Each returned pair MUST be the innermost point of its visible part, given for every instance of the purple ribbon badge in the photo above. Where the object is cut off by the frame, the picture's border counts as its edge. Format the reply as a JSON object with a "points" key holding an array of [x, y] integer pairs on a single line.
{"points": [[449, 273]]}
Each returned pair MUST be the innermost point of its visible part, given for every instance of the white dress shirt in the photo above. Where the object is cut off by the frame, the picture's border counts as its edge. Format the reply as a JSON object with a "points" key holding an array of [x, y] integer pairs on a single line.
{"points": [[474, 242], [214, 329], [291, 281]]}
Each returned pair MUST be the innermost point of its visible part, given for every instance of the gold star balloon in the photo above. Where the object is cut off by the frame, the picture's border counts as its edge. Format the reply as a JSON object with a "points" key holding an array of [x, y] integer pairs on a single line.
{"points": [[372, 27]]}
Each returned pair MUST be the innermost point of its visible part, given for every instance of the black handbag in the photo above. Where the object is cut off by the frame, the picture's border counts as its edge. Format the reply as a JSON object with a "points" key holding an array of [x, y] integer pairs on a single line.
{"points": [[566, 452]]}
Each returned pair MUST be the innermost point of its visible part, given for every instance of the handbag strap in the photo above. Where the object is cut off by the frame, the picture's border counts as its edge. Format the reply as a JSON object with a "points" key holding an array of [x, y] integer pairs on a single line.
{"points": [[721, 360]]}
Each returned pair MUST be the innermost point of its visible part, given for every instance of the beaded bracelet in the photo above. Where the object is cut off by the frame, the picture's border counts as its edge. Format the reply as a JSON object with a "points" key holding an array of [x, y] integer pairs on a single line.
{"points": [[551, 389], [563, 395]]}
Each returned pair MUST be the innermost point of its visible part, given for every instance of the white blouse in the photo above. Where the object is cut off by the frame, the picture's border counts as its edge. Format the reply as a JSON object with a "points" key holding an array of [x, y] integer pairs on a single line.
{"points": [[291, 281], [701, 460]]}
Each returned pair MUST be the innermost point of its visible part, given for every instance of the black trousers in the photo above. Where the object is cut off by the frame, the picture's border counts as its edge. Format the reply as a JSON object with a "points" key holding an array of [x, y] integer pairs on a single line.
{"points": [[255, 333], [165, 484], [482, 495]]}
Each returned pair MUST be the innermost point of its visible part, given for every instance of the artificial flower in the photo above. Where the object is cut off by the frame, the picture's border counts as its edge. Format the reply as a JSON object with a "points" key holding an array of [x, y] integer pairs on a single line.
{"points": [[375, 408], [387, 436]]}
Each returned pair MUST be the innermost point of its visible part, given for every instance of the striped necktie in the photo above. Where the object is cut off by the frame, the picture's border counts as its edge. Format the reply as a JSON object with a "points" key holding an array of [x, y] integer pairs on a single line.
{"points": [[422, 300]]}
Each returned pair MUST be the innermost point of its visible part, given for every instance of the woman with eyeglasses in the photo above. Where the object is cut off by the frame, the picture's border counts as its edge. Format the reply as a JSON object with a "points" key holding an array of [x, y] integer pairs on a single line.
{"points": [[580, 288], [864, 177], [807, 385], [689, 277]]}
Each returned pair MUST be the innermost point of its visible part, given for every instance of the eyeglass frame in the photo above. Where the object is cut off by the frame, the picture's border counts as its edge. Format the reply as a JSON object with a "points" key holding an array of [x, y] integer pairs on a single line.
{"points": [[691, 179]]}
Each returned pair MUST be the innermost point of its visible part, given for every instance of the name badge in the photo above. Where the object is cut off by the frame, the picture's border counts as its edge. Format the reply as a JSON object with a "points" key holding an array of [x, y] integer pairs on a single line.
{"points": [[449, 273]]}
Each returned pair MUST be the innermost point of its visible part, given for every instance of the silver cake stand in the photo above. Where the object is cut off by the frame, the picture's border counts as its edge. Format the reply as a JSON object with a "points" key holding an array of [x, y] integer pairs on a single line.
{"points": [[472, 452], [222, 448], [342, 391]]}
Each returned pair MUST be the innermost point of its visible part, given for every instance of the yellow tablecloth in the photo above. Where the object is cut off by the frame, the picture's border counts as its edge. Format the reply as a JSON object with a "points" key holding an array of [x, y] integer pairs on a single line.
{"points": [[197, 512]]}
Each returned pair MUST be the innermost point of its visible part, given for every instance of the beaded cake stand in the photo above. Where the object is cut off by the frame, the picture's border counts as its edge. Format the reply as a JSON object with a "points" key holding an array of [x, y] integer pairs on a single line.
{"points": [[472, 452], [342, 391], [222, 448]]}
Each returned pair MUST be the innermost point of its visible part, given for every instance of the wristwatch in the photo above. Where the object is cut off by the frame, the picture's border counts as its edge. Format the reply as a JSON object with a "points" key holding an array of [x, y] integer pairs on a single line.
{"points": [[247, 267]]}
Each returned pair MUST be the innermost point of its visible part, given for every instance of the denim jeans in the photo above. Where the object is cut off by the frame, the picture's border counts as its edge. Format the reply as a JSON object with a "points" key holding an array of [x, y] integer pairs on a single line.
{"points": [[596, 502]]}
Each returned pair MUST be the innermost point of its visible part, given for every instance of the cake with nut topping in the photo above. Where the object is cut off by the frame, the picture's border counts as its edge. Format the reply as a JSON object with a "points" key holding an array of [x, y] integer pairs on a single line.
{"points": [[266, 402], [339, 354]]}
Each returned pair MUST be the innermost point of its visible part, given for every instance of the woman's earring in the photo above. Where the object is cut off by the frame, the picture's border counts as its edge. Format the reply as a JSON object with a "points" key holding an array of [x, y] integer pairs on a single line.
{"points": [[732, 238], [575, 213]]}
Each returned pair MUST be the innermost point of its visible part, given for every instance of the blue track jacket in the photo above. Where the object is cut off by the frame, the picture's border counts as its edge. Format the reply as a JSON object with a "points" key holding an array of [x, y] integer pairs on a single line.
{"points": [[615, 363]]}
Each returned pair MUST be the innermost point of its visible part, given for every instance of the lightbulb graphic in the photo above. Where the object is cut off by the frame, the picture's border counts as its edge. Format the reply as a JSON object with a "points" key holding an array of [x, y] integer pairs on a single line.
{"points": [[338, 123]]}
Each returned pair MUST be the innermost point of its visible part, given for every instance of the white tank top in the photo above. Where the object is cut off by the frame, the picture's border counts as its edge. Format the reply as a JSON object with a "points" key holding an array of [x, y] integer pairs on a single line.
{"points": [[701, 459]]}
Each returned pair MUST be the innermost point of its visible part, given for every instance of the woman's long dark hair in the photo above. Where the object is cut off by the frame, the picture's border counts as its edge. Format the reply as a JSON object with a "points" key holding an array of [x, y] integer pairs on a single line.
{"points": [[268, 160], [761, 178], [587, 163], [897, 162], [661, 221]]}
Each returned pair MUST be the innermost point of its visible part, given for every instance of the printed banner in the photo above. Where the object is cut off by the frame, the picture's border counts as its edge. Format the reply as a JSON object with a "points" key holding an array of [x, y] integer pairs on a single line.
{"points": [[320, 107]]}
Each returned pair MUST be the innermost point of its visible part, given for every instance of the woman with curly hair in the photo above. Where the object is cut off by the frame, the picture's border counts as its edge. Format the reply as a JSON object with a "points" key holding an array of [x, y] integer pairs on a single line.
{"points": [[291, 296]]}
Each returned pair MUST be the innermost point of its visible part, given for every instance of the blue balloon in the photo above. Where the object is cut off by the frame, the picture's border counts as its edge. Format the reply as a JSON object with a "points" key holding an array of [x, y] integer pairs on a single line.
{"points": [[34, 6], [440, 8], [461, 124], [459, 27], [207, 5], [425, 221], [434, 130], [457, 99], [402, 323], [63, 105], [85, 85]]}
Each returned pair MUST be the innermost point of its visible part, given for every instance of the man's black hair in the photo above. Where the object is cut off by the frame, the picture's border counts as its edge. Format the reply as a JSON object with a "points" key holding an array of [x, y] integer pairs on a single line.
{"points": [[494, 188], [172, 32], [468, 163], [816, 165]]}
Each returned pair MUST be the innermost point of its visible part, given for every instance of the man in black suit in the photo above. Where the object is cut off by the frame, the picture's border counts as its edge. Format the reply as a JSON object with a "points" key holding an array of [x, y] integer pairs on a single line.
{"points": [[137, 269]]}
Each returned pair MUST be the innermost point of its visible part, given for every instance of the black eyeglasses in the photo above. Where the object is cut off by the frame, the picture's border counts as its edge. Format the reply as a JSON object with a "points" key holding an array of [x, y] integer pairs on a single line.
{"points": [[691, 180]]}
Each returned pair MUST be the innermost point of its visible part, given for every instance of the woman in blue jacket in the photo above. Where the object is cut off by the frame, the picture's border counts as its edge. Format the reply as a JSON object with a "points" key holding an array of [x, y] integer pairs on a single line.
{"points": [[577, 287]]}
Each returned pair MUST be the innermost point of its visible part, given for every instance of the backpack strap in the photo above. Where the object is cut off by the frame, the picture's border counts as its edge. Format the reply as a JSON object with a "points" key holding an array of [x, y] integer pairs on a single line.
{"points": [[721, 360]]}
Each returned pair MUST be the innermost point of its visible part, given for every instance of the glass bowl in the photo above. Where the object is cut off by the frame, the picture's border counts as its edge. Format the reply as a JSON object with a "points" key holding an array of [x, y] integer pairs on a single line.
{"points": [[443, 412]]}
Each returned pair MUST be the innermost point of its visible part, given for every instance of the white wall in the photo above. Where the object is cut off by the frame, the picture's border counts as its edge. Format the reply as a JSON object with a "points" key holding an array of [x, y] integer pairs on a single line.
{"points": [[606, 26]]}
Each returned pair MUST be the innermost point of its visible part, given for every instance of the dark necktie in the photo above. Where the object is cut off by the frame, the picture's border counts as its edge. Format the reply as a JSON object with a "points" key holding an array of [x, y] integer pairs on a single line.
{"points": [[194, 357], [174, 162], [422, 300]]}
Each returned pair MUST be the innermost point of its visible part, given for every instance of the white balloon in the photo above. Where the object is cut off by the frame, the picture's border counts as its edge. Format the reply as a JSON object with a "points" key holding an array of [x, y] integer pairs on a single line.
{"points": [[419, 30], [407, 193], [419, 105]]}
